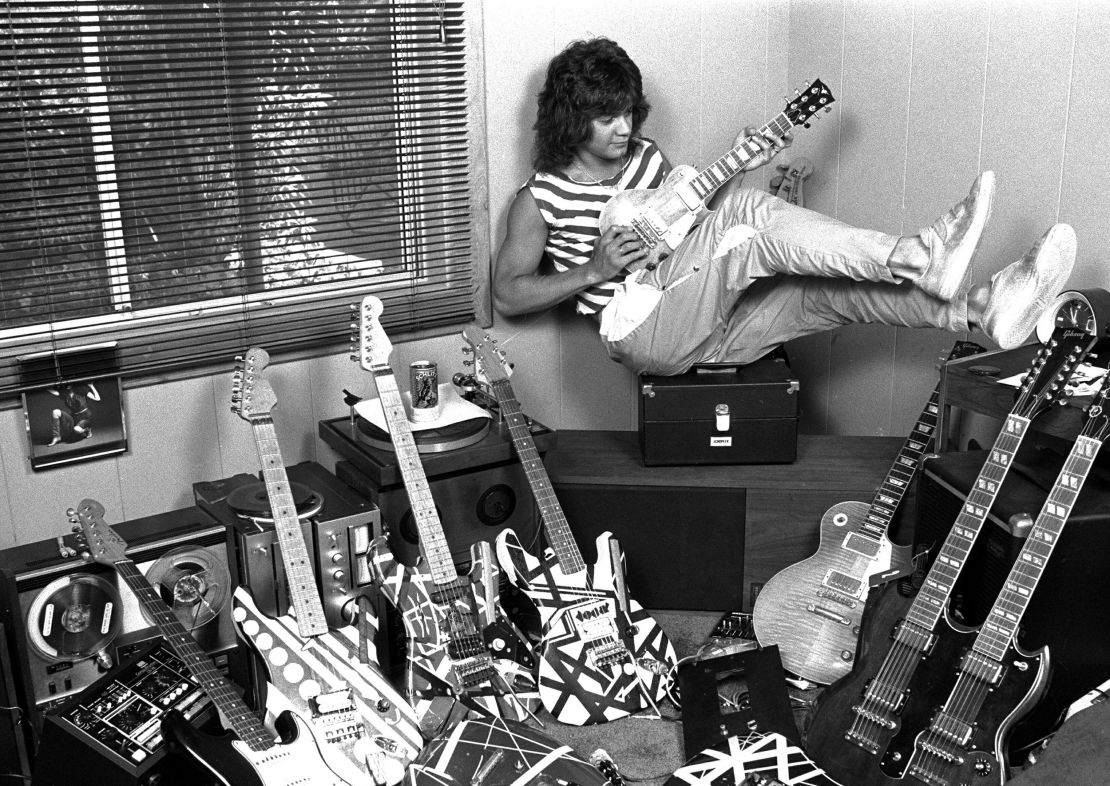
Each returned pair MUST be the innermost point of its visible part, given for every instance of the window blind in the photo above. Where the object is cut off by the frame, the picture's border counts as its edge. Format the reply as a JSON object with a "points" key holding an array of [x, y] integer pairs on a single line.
{"points": [[186, 179]]}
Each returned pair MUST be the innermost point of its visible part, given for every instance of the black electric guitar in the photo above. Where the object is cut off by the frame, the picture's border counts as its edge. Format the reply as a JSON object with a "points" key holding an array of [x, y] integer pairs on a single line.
{"points": [[252, 398], [602, 655], [460, 644], [863, 730], [662, 216], [249, 755], [812, 610], [999, 682]]}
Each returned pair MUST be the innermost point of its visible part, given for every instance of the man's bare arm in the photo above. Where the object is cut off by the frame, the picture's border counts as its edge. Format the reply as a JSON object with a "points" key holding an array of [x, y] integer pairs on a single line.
{"points": [[518, 285]]}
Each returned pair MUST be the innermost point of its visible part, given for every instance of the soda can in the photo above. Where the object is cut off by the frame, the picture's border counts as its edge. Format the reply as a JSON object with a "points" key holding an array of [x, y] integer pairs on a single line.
{"points": [[424, 386]]}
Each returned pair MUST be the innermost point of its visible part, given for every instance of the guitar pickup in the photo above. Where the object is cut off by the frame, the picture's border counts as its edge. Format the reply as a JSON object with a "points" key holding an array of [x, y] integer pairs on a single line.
{"points": [[843, 583]]}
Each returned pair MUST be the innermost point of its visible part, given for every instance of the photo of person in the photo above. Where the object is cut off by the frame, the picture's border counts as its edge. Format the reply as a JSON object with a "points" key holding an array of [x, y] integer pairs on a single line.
{"points": [[72, 419]]}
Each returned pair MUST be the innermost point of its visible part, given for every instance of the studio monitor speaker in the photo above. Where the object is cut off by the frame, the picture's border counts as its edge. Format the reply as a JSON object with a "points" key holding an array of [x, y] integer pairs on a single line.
{"points": [[1069, 609], [69, 621], [683, 546]]}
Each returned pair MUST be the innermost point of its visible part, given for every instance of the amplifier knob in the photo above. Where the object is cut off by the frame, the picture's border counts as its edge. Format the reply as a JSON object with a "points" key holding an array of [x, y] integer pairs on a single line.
{"points": [[337, 557], [338, 575]]}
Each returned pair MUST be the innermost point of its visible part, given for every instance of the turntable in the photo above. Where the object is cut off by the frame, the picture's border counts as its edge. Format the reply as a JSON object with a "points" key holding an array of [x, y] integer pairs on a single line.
{"points": [[473, 473]]}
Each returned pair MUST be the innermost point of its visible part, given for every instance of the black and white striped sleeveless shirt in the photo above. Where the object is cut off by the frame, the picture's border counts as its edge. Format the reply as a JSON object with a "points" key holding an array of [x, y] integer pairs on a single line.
{"points": [[572, 212]]}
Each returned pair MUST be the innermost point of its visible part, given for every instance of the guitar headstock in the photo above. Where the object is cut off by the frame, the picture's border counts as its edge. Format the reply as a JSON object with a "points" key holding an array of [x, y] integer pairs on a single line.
{"points": [[1046, 381], [807, 102], [251, 395], [370, 346], [94, 535], [1098, 415], [489, 361]]}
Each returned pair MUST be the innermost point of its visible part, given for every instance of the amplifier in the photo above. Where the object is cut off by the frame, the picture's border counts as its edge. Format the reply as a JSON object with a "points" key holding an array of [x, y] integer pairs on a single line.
{"points": [[69, 621], [111, 733], [1069, 610], [337, 534]]}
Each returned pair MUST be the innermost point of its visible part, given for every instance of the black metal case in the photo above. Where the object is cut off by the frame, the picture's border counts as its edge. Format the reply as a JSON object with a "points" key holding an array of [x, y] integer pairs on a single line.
{"points": [[720, 415]]}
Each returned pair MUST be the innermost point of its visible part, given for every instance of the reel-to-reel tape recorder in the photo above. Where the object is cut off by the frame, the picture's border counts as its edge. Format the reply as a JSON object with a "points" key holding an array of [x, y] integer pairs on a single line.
{"points": [[69, 620]]}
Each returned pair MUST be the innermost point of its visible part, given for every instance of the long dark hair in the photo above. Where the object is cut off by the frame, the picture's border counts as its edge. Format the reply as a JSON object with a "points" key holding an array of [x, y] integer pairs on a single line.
{"points": [[587, 80]]}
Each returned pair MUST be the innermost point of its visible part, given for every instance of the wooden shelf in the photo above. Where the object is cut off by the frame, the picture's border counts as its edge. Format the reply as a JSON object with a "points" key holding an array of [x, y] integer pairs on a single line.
{"points": [[784, 502]]}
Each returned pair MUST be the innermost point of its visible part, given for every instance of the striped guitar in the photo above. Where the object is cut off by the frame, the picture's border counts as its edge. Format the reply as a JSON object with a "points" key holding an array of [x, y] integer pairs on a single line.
{"points": [[812, 610], [864, 726], [602, 656], [254, 757], [460, 645], [662, 216], [998, 681], [368, 733]]}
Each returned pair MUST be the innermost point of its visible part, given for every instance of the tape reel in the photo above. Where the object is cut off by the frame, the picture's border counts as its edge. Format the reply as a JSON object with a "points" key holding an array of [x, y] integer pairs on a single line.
{"points": [[193, 582], [74, 617]]}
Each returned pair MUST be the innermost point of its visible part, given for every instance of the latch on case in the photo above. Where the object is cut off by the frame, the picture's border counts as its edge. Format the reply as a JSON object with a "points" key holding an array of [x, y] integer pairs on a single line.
{"points": [[721, 411]]}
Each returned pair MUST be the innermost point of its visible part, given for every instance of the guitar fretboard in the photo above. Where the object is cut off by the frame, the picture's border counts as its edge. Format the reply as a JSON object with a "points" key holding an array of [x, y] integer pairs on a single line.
{"points": [[555, 523], [299, 570], [1005, 616], [928, 606], [441, 566], [244, 723], [724, 168]]}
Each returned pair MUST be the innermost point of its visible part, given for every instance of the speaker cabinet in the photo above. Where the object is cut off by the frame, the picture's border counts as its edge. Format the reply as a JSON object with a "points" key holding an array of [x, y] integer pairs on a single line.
{"points": [[473, 505], [69, 621], [683, 546], [1069, 610]]}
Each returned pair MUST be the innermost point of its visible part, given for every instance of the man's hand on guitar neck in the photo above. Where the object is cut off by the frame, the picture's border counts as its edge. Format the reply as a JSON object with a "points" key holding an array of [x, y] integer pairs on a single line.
{"points": [[769, 145]]}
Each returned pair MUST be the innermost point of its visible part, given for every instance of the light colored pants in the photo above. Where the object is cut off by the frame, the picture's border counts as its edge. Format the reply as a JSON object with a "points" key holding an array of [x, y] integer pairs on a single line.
{"points": [[800, 273]]}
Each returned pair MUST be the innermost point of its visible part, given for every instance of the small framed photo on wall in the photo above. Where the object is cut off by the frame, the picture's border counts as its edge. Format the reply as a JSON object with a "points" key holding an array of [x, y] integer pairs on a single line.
{"points": [[74, 417]]}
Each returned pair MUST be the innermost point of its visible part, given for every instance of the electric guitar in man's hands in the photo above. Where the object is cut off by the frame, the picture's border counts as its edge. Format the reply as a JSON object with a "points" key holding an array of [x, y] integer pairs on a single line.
{"points": [[602, 656], [662, 216]]}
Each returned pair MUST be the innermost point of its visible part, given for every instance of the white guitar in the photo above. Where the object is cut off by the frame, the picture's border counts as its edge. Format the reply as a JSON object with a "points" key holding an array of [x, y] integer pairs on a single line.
{"points": [[662, 216]]}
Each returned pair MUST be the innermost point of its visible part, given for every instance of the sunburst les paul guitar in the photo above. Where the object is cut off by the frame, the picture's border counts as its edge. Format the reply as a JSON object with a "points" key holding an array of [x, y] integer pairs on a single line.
{"points": [[662, 216], [865, 724], [602, 655], [250, 754], [460, 644], [812, 610]]}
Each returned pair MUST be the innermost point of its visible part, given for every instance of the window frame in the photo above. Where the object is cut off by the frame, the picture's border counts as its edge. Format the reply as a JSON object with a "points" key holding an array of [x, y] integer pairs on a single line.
{"points": [[74, 332]]}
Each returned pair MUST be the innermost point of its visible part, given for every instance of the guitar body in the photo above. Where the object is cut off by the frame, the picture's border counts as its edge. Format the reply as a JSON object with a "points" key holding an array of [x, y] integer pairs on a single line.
{"points": [[665, 213], [363, 725], [876, 748], [850, 745], [984, 758], [495, 751], [813, 609], [501, 685], [586, 673], [296, 761]]}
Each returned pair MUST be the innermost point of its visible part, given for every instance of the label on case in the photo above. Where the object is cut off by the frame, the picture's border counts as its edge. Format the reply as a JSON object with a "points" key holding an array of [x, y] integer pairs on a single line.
{"points": [[720, 442]]}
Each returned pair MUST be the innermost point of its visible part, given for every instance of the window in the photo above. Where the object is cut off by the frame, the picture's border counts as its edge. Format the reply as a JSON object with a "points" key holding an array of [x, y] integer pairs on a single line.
{"points": [[192, 178]]}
